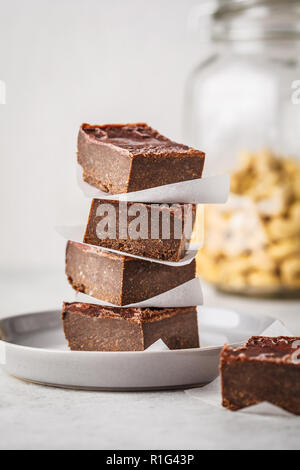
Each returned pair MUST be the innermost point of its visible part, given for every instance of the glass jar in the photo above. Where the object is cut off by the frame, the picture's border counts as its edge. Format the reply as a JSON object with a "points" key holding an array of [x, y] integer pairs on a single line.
{"points": [[243, 108]]}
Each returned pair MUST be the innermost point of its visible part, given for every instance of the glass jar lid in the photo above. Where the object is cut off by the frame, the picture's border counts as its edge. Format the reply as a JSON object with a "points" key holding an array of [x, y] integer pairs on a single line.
{"points": [[256, 19]]}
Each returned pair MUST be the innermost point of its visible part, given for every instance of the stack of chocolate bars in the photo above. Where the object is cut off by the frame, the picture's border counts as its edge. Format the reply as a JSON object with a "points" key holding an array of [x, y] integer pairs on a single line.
{"points": [[120, 159]]}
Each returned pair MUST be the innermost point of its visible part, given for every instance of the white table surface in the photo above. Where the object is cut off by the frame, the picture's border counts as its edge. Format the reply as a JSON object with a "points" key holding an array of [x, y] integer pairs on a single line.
{"points": [[37, 417]]}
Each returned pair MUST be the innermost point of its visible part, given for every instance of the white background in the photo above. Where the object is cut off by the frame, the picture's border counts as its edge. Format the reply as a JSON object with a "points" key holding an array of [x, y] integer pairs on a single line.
{"points": [[65, 62], [71, 61]]}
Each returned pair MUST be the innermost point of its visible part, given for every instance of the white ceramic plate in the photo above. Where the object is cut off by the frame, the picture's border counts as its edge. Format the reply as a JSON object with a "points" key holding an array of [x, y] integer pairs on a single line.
{"points": [[35, 349]]}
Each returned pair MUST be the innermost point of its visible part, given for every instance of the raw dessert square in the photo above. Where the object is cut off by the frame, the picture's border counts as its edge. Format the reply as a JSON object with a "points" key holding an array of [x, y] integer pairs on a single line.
{"points": [[94, 328], [265, 369], [118, 279], [121, 158], [149, 230]]}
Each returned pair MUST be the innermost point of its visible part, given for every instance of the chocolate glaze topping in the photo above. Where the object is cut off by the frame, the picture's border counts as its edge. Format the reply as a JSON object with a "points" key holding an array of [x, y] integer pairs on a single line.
{"points": [[265, 348], [135, 138]]}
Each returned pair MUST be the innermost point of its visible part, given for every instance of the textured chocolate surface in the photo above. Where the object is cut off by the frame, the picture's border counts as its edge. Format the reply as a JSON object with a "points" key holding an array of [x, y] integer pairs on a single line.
{"points": [[138, 138], [122, 158], [265, 369], [276, 349], [170, 249], [118, 279], [94, 328]]}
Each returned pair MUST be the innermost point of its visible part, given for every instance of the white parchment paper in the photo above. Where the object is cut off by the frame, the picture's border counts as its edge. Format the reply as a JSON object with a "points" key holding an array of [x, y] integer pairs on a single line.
{"points": [[186, 295], [211, 394], [158, 346], [2, 353], [76, 234], [209, 190]]}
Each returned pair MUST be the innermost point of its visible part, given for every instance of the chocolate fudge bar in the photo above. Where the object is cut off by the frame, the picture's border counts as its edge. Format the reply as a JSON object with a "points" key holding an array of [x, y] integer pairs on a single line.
{"points": [[119, 279], [110, 222], [265, 369], [121, 158], [94, 328]]}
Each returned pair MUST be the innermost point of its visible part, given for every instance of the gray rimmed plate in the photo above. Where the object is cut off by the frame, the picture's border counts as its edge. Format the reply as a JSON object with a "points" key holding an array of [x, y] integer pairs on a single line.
{"points": [[33, 348]]}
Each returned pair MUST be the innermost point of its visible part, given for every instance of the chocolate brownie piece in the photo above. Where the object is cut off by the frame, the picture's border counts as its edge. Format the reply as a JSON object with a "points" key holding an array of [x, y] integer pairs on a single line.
{"points": [[265, 369], [94, 328], [121, 158], [119, 279], [149, 230]]}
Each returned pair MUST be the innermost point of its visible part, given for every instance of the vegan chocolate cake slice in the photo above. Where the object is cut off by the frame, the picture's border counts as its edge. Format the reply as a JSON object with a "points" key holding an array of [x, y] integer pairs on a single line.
{"points": [[265, 369], [121, 158], [118, 279], [94, 328], [149, 230]]}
